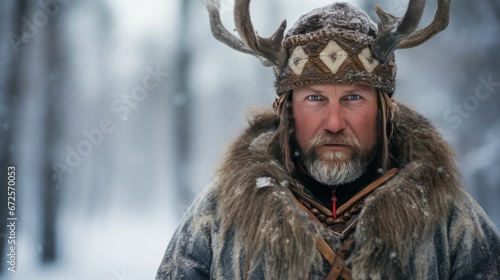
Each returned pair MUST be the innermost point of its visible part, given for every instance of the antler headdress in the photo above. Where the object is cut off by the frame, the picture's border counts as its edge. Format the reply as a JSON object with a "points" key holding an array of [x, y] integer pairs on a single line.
{"points": [[333, 44]]}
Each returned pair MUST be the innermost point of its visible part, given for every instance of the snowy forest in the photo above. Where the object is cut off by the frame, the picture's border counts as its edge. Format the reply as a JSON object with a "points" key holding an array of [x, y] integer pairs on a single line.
{"points": [[114, 114]]}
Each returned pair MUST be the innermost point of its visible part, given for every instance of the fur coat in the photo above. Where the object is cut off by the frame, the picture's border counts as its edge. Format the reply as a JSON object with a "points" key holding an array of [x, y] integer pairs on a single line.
{"points": [[421, 224]]}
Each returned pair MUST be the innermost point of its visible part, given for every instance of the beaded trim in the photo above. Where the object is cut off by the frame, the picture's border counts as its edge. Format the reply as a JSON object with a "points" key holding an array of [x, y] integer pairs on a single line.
{"points": [[347, 214], [342, 225]]}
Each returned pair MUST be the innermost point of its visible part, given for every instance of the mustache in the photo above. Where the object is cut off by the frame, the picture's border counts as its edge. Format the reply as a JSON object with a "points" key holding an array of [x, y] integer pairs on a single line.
{"points": [[333, 139]]}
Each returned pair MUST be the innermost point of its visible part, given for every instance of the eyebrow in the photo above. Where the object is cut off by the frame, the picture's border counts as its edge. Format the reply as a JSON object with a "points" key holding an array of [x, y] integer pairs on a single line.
{"points": [[317, 91]]}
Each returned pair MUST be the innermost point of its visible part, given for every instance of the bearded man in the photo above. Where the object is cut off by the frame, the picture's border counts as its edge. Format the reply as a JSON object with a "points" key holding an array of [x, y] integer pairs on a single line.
{"points": [[341, 181]]}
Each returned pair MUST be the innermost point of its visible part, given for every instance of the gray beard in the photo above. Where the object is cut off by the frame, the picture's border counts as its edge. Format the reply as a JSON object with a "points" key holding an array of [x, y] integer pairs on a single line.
{"points": [[338, 170]]}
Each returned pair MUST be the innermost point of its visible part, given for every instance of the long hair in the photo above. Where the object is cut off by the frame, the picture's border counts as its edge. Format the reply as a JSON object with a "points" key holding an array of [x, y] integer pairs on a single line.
{"points": [[387, 111], [283, 144]]}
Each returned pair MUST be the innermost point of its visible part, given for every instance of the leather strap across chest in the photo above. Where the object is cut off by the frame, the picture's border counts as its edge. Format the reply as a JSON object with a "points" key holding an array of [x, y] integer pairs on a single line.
{"points": [[342, 226]]}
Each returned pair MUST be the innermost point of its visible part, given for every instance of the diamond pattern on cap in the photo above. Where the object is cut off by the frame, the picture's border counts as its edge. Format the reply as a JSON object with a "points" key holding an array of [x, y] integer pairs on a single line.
{"points": [[369, 62], [298, 60], [333, 56]]}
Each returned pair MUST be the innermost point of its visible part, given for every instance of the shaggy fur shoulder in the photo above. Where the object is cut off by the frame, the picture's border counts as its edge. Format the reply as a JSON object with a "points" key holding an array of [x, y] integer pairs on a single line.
{"points": [[256, 203], [404, 212]]}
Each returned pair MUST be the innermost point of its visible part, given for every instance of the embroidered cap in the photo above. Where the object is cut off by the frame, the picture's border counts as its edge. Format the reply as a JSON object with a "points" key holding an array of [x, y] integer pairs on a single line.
{"points": [[331, 45]]}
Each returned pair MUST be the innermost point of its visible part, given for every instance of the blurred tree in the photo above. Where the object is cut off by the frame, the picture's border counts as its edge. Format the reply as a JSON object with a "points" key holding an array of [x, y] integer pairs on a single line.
{"points": [[182, 108], [477, 24], [11, 13], [53, 53]]}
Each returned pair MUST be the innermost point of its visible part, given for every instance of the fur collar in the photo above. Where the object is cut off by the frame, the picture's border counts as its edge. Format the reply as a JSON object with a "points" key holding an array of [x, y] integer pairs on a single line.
{"points": [[256, 203]]}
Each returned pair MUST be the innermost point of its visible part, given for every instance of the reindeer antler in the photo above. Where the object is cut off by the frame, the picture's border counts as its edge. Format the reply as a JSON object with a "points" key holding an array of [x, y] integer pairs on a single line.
{"points": [[399, 33], [268, 50]]}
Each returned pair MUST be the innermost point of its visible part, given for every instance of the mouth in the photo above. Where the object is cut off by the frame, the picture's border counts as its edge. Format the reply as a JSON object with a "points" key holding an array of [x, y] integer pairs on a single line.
{"points": [[333, 152], [335, 145]]}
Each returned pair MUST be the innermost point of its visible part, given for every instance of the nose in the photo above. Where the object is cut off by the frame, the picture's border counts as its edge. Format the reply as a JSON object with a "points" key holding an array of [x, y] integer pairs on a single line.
{"points": [[334, 120]]}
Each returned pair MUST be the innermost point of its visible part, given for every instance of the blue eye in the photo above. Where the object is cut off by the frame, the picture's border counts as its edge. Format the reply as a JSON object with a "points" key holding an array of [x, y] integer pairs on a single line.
{"points": [[353, 97], [314, 98]]}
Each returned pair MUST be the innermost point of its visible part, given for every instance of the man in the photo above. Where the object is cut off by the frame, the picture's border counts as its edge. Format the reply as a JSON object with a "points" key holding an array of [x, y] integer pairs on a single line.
{"points": [[340, 182]]}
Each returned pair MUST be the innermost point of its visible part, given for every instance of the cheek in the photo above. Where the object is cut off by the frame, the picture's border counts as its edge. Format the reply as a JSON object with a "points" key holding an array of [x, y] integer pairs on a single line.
{"points": [[303, 129], [298, 128], [368, 131]]}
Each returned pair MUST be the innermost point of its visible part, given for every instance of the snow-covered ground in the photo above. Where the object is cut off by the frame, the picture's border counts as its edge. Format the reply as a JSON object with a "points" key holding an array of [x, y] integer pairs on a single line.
{"points": [[122, 247]]}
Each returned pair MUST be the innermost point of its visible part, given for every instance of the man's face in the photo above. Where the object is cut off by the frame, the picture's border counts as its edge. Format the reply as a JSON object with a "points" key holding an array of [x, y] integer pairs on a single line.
{"points": [[336, 129]]}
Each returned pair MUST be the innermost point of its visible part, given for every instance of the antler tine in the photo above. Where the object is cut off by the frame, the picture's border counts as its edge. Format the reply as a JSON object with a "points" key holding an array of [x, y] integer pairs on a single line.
{"points": [[267, 48], [393, 30], [438, 24], [405, 35], [219, 32]]}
